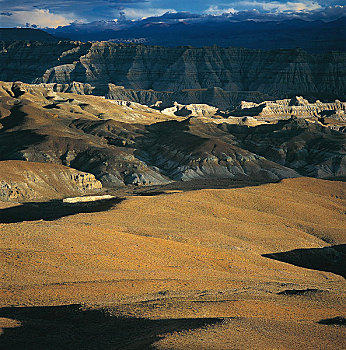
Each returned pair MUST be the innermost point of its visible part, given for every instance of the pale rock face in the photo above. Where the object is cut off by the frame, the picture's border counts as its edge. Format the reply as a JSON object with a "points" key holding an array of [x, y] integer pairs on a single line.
{"points": [[191, 110], [20, 180], [298, 107], [87, 199]]}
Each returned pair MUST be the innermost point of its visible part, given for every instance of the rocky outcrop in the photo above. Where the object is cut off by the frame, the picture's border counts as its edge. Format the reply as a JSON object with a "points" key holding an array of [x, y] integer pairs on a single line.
{"points": [[277, 73], [39, 125], [297, 107], [192, 110], [213, 96], [29, 181]]}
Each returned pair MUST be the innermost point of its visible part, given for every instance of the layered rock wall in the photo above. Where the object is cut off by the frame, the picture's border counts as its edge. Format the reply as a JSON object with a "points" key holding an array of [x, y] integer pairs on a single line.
{"points": [[278, 73], [297, 107]]}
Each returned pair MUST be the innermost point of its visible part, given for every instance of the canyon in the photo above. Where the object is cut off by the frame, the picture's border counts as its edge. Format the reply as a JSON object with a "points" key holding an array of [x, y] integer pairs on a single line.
{"points": [[171, 198]]}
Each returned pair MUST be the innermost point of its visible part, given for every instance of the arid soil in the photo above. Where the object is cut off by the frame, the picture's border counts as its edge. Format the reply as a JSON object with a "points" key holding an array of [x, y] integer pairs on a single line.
{"points": [[175, 268]]}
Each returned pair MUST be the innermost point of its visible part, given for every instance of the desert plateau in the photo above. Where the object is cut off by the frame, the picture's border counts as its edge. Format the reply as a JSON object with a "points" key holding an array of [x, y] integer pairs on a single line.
{"points": [[166, 186]]}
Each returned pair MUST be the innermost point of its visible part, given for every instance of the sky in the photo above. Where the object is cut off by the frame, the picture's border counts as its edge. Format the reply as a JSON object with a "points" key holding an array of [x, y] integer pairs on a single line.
{"points": [[54, 13]]}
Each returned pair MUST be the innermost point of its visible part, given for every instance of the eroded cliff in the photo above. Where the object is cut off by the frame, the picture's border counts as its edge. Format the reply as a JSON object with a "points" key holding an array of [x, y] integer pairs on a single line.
{"points": [[297, 107], [20, 180], [277, 73]]}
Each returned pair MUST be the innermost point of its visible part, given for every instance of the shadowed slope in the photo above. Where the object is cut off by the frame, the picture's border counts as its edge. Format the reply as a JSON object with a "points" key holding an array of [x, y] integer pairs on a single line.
{"points": [[332, 259], [69, 327], [339, 321], [192, 149], [53, 210], [308, 148], [15, 137], [31, 132], [279, 73], [128, 143]]}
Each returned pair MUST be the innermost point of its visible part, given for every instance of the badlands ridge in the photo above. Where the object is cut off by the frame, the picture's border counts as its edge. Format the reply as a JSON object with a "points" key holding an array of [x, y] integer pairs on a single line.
{"points": [[123, 143]]}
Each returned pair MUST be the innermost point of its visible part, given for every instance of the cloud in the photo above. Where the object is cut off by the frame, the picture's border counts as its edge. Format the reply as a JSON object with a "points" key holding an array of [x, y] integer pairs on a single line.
{"points": [[276, 6], [39, 17], [81, 9], [264, 7], [327, 14], [53, 13], [216, 10], [269, 11], [135, 13], [65, 6]]}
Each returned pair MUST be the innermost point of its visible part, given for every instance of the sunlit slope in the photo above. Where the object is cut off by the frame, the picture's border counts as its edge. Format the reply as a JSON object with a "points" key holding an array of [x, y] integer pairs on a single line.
{"points": [[205, 238], [195, 254]]}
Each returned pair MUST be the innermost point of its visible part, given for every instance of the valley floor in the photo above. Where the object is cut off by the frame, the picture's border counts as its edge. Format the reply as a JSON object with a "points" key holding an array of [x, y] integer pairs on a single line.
{"points": [[253, 267]]}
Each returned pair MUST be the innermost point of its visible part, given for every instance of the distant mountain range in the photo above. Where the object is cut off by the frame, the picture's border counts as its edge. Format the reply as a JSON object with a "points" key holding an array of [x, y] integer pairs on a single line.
{"points": [[173, 30], [184, 29]]}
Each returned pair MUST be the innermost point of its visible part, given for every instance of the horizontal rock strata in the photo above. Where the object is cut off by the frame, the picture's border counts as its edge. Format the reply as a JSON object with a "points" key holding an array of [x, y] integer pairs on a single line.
{"points": [[277, 73], [20, 180], [298, 107]]}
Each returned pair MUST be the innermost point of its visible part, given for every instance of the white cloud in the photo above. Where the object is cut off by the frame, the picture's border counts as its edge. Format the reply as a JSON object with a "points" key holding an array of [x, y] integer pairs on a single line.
{"points": [[276, 6], [272, 7], [40, 17], [136, 13], [215, 10]]}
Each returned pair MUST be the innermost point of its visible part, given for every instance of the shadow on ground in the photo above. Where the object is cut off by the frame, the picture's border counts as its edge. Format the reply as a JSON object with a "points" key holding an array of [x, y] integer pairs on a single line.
{"points": [[53, 210], [192, 185], [330, 259], [308, 291], [338, 321], [69, 327]]}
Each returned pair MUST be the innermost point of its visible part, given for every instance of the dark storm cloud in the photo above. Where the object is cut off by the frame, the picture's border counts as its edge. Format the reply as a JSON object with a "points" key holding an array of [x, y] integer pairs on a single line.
{"points": [[61, 12], [64, 5], [85, 9]]}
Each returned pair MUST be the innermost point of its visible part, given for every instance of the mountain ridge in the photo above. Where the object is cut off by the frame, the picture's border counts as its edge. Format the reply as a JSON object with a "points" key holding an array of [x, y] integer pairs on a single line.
{"points": [[175, 29]]}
